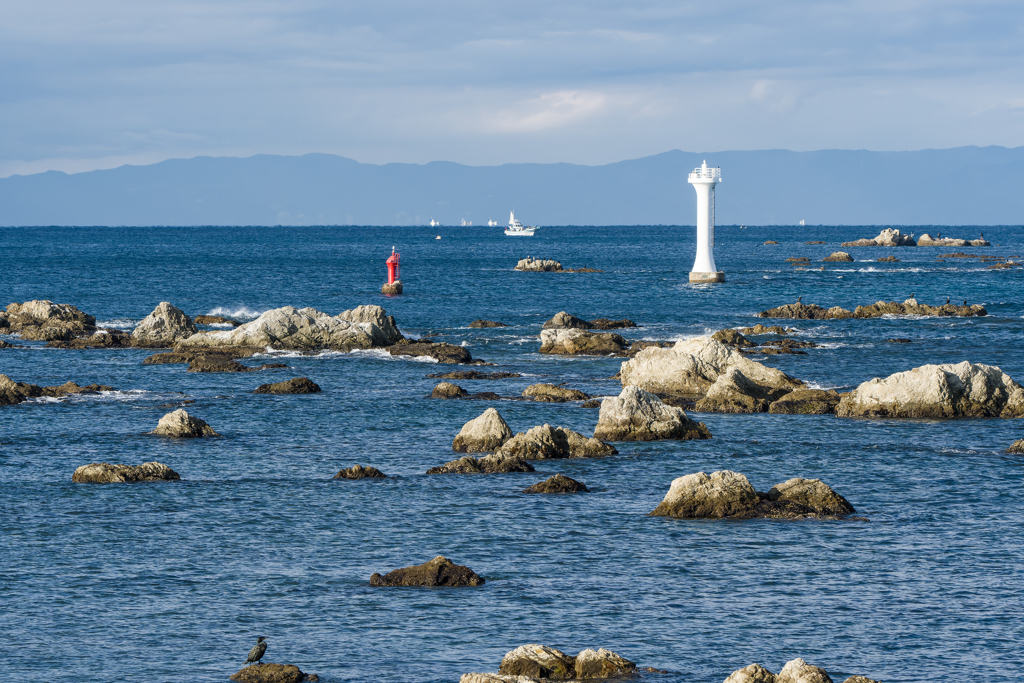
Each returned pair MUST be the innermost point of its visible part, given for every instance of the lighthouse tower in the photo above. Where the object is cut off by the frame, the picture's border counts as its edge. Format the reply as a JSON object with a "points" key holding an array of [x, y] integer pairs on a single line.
{"points": [[704, 180]]}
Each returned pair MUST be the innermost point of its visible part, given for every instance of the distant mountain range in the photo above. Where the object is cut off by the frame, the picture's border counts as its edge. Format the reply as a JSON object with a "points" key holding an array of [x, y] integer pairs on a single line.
{"points": [[961, 186]]}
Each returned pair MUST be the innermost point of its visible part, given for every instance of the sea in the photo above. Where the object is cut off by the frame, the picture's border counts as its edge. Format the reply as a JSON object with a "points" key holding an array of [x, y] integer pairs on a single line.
{"points": [[173, 581]]}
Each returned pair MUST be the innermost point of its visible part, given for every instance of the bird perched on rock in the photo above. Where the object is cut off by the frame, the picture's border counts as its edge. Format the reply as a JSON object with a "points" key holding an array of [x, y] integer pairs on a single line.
{"points": [[257, 651], [799, 298], [947, 299]]}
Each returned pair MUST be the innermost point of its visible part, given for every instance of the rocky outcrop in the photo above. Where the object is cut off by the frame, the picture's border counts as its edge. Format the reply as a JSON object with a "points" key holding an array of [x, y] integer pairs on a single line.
{"points": [[484, 433], [927, 240], [391, 288], [887, 259], [441, 352], [295, 385], [448, 390], [12, 393], [838, 256], [532, 265], [473, 374], [558, 483], [360, 472], [480, 324], [268, 672], [534, 663], [105, 473], [215, 320], [494, 463], [216, 362], [538, 661], [578, 342], [732, 338], [875, 310], [692, 366], [307, 329], [181, 424], [637, 415], [762, 329], [806, 402], [795, 671], [565, 321], [107, 338], [440, 571], [602, 663], [1016, 447], [545, 442], [752, 673], [729, 494], [733, 392], [553, 394], [890, 237], [937, 391], [43, 320], [163, 328], [606, 324]]}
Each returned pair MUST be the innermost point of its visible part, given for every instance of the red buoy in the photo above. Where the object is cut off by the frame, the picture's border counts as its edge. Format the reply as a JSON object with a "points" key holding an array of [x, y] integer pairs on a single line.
{"points": [[394, 283]]}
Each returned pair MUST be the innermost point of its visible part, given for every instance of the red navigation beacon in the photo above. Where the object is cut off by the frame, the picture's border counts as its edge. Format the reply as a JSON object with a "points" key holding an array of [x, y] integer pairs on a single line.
{"points": [[394, 284]]}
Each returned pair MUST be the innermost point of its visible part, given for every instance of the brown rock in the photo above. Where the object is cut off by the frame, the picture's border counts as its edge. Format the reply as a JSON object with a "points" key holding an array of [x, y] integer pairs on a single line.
{"points": [[732, 338], [478, 324], [799, 671], [215, 362], [489, 464], [797, 259], [815, 242], [1016, 447], [637, 415], [215, 320], [606, 324], [577, 342], [553, 394], [734, 392], [813, 493], [898, 340], [101, 339], [752, 673], [888, 259], [440, 571], [392, 289], [105, 473], [473, 374], [558, 483], [860, 679], [360, 472], [296, 385], [268, 672], [43, 320], [564, 321], [181, 424], [806, 402], [602, 664], [484, 433], [841, 256], [762, 329], [592, 403], [441, 352], [538, 661], [448, 390], [771, 242]]}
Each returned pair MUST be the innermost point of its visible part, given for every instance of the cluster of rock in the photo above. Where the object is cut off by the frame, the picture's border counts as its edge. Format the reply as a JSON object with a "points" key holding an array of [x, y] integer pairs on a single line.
{"points": [[43, 320], [927, 240], [12, 393], [575, 342], [551, 393], [534, 663], [473, 374], [795, 671], [532, 265], [638, 415], [360, 472], [804, 311], [180, 424], [566, 321], [268, 672], [211, 360], [937, 391], [442, 352], [296, 385], [890, 237], [545, 442], [727, 494], [105, 473], [439, 571], [738, 341]]}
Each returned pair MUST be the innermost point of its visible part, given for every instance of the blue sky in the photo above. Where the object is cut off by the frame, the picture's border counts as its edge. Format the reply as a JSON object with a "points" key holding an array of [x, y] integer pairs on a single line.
{"points": [[87, 85]]}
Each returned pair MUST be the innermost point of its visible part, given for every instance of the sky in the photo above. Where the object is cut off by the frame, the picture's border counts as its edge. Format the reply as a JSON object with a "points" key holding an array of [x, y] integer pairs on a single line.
{"points": [[89, 85]]}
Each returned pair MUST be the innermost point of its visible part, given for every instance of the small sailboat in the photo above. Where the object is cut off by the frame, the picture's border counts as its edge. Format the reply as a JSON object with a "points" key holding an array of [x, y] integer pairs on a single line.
{"points": [[516, 228]]}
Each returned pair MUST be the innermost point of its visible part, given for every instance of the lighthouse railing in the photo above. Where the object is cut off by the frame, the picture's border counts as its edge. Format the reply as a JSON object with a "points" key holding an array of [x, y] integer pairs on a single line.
{"points": [[706, 173]]}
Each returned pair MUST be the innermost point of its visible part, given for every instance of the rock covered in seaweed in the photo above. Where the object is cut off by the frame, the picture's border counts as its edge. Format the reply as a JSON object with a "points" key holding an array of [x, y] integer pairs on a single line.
{"points": [[484, 433], [106, 473], [439, 571], [360, 472], [163, 328], [937, 391], [182, 425], [295, 385], [638, 415]]}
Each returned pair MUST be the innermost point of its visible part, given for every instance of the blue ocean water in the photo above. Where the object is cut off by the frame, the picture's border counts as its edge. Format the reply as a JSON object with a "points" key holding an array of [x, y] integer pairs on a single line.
{"points": [[172, 582]]}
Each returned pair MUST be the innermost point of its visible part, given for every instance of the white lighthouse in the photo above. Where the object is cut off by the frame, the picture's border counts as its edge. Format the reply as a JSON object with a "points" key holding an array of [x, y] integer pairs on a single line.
{"points": [[704, 180]]}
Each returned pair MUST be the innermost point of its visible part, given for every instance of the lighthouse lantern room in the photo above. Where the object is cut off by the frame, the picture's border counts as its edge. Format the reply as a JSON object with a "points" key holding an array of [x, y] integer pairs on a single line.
{"points": [[704, 180]]}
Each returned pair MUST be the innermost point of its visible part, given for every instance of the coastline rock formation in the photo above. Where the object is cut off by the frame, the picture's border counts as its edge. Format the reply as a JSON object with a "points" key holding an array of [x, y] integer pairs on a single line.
{"points": [[565, 321], [440, 571], [558, 483], [12, 393], [762, 329], [105, 473], [581, 342], [163, 328], [268, 672], [484, 433], [296, 385], [927, 240], [637, 415], [43, 320], [215, 320], [553, 394], [441, 352], [692, 366], [890, 237], [1016, 447], [104, 338], [937, 391], [305, 329], [733, 392], [530, 264], [536, 663], [806, 402], [181, 424], [804, 311], [727, 494], [494, 463], [732, 338], [545, 442], [839, 256], [795, 671], [360, 472]]}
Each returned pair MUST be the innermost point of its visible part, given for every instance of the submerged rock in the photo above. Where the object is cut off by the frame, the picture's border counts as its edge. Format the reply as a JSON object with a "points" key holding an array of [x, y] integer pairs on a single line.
{"points": [[478, 324], [268, 672], [181, 424], [484, 433], [806, 402], [937, 391], [732, 338], [637, 415], [762, 329], [360, 472], [473, 374], [495, 463], [105, 473], [440, 571], [558, 483], [553, 394], [12, 393], [100, 339], [163, 328], [575, 342], [295, 385]]}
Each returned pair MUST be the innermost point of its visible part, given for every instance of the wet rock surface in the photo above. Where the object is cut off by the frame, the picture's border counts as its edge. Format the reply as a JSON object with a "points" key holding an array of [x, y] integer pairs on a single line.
{"points": [[441, 352], [806, 402], [839, 256], [762, 329], [295, 385], [727, 494], [182, 425], [581, 342], [638, 415], [215, 320], [163, 328], [494, 463], [804, 311], [558, 483], [448, 390], [484, 433], [732, 338], [268, 672], [360, 472], [106, 473], [480, 324], [439, 571], [961, 390], [473, 374], [546, 442], [553, 394], [1016, 447], [12, 393], [106, 338], [565, 321]]}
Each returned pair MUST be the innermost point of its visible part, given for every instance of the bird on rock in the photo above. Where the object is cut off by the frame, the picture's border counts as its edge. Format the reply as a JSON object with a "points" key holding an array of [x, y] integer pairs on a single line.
{"points": [[257, 651]]}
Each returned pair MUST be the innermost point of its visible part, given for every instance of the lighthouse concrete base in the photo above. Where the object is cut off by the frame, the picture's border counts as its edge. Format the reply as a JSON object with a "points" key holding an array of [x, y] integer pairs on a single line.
{"points": [[392, 289], [707, 277]]}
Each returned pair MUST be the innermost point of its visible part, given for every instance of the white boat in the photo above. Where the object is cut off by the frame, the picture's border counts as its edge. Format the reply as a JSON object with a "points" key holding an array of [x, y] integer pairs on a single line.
{"points": [[517, 228], [466, 223], [492, 223], [434, 223]]}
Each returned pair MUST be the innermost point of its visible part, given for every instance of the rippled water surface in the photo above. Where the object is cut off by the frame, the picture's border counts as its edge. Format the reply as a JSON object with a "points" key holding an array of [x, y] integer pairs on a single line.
{"points": [[172, 582]]}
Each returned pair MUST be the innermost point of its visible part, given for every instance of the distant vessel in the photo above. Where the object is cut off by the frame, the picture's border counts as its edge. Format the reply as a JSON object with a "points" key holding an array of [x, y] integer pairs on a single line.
{"points": [[466, 223], [492, 223], [517, 228], [434, 223]]}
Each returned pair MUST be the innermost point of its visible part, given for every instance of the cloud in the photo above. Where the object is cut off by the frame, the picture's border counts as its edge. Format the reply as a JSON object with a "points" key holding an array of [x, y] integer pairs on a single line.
{"points": [[550, 110]]}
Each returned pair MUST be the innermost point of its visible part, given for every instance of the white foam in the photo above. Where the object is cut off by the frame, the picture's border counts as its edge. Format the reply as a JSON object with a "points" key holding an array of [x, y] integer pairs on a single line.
{"points": [[118, 323], [239, 312]]}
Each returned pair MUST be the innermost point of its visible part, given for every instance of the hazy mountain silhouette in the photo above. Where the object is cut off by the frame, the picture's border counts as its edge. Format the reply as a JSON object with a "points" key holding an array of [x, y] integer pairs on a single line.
{"points": [[965, 185]]}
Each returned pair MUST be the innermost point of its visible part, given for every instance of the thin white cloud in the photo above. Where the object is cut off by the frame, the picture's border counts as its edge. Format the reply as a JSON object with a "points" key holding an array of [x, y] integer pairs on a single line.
{"points": [[550, 110]]}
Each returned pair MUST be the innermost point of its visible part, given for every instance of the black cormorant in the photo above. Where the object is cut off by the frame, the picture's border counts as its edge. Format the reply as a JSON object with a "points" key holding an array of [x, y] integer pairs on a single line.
{"points": [[799, 297], [947, 299], [257, 651]]}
